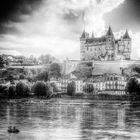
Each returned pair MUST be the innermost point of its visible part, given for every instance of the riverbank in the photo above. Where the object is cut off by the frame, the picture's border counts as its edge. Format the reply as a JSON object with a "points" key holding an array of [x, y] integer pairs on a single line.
{"points": [[43, 100]]}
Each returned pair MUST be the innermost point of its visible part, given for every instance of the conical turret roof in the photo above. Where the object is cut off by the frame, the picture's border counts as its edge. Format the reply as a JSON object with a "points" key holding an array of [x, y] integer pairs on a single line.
{"points": [[109, 32], [92, 35], [83, 34], [126, 35]]}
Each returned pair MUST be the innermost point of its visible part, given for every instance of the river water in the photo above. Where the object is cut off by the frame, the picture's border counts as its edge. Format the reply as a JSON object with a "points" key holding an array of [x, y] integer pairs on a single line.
{"points": [[60, 119]]}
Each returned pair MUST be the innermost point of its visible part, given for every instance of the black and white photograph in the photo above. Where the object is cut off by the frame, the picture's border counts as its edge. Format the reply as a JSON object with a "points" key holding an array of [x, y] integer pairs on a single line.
{"points": [[69, 69]]}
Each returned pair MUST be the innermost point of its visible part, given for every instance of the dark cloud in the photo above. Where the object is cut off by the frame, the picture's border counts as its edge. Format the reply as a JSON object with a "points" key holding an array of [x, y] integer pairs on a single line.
{"points": [[12, 11]]}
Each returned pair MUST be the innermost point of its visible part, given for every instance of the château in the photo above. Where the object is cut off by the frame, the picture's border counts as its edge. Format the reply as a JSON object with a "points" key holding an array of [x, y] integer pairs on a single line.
{"points": [[105, 48]]}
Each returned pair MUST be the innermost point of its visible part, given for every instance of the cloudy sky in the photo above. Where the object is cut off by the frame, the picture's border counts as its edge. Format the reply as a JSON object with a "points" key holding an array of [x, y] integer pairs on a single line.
{"points": [[54, 26]]}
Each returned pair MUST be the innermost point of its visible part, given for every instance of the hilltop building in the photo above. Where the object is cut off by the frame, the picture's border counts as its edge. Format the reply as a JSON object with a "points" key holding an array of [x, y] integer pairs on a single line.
{"points": [[105, 48]]}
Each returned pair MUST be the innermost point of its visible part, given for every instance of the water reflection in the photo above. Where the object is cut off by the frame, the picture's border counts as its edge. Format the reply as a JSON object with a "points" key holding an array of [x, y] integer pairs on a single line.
{"points": [[71, 120]]}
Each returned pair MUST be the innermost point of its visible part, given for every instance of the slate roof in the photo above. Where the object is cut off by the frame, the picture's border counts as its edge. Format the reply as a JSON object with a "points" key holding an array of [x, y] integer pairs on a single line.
{"points": [[83, 34], [109, 32], [92, 40], [111, 68], [126, 35]]}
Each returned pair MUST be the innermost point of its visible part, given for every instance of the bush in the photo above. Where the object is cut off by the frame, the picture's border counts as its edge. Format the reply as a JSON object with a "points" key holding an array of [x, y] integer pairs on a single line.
{"points": [[22, 90], [40, 89]]}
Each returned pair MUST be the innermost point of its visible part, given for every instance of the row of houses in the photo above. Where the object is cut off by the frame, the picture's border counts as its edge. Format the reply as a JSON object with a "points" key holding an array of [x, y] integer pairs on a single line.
{"points": [[102, 84], [110, 84]]}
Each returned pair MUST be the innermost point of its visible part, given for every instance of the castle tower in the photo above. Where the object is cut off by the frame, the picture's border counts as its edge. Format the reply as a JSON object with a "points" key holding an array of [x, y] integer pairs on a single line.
{"points": [[83, 38], [127, 45], [110, 44], [109, 32], [92, 35]]}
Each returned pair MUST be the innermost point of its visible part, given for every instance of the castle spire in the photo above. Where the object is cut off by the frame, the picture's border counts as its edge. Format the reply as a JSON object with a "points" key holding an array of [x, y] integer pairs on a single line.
{"points": [[92, 35], [83, 34], [126, 35], [109, 32]]}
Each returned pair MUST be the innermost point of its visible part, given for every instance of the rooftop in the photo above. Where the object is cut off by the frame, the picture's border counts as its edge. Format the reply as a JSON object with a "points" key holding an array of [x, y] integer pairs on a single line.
{"points": [[106, 68], [92, 40]]}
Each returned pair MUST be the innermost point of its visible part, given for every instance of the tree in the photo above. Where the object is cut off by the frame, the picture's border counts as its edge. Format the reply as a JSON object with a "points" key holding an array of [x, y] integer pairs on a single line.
{"points": [[132, 85], [22, 89], [12, 92], [21, 59], [55, 88], [10, 78], [41, 89], [84, 69], [136, 69], [71, 88], [43, 76], [33, 60], [133, 88], [1, 62], [22, 76], [55, 70], [3, 92], [47, 59]]}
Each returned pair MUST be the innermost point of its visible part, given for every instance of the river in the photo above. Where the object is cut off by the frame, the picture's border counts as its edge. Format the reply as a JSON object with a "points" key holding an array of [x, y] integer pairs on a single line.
{"points": [[63, 119]]}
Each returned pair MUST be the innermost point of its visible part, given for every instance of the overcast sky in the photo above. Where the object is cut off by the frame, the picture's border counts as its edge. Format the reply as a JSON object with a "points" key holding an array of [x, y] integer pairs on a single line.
{"points": [[54, 26]]}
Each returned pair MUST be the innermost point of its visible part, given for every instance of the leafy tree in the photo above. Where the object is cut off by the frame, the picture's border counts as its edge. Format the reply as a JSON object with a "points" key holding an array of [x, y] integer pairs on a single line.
{"points": [[132, 85], [47, 59], [43, 76], [84, 70], [12, 92], [133, 88], [10, 78], [22, 89], [137, 69], [22, 76], [33, 71], [3, 92], [40, 89], [55, 70], [1, 62], [71, 88], [49, 89], [33, 59]]}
